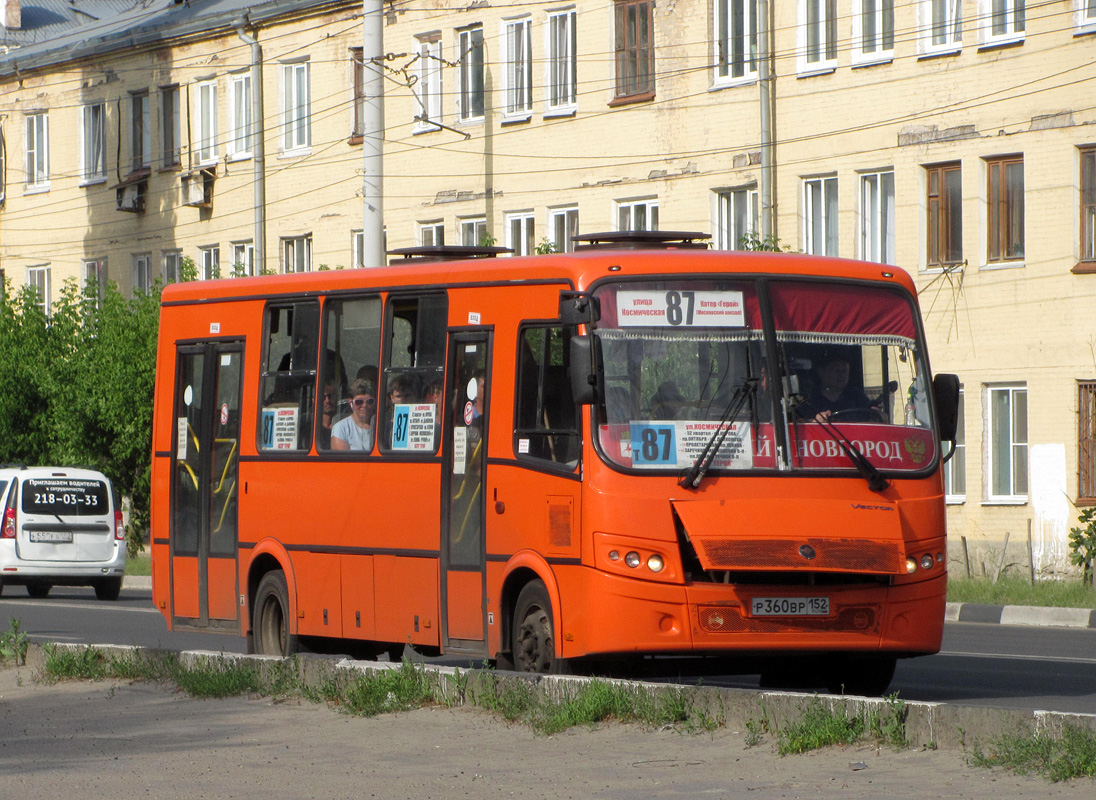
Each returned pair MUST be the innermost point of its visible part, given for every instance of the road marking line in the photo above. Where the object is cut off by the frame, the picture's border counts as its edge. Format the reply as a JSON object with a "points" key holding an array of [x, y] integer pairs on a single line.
{"points": [[102, 606], [1013, 657]]}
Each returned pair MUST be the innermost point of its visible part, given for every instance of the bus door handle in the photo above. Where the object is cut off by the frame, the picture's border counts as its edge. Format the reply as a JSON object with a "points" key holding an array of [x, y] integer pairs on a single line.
{"points": [[500, 507]]}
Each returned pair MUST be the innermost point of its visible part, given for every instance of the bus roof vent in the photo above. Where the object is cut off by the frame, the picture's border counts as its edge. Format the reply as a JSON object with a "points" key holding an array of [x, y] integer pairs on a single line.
{"points": [[444, 252], [641, 240]]}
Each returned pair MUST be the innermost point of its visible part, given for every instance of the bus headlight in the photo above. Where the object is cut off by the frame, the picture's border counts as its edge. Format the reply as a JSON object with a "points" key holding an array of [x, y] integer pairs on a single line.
{"points": [[911, 565], [632, 559], [927, 561], [655, 563], [614, 555]]}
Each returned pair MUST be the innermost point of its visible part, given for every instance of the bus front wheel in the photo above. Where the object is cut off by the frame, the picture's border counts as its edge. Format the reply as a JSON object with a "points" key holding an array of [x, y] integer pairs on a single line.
{"points": [[533, 641], [270, 624]]}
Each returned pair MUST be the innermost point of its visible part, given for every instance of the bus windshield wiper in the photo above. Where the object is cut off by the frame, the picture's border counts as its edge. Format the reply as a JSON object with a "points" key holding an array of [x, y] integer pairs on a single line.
{"points": [[868, 471], [691, 477]]}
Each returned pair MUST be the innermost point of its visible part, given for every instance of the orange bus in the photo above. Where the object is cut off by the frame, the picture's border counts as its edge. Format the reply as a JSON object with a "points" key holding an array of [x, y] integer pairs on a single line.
{"points": [[643, 447]]}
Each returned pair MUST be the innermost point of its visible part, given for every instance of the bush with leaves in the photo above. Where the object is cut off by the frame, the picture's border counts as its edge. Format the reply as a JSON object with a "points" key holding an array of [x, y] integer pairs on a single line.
{"points": [[1082, 544]]}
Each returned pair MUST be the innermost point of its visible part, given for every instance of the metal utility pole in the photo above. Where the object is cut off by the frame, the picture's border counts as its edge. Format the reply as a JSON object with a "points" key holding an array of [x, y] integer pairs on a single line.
{"points": [[768, 221], [373, 132]]}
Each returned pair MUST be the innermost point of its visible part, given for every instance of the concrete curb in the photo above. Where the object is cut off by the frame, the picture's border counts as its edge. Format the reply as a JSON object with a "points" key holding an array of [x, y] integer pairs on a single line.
{"points": [[137, 582], [1041, 616], [927, 725]]}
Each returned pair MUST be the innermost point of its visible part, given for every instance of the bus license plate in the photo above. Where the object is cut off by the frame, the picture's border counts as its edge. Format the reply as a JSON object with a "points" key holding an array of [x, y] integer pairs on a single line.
{"points": [[790, 606], [55, 537]]}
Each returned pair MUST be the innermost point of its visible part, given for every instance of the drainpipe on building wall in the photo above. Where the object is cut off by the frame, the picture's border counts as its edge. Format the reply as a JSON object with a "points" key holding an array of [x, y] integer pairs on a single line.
{"points": [[768, 217], [258, 141], [372, 133]]}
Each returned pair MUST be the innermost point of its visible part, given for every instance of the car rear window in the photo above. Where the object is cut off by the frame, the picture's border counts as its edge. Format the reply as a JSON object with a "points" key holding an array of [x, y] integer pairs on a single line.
{"points": [[65, 496]]}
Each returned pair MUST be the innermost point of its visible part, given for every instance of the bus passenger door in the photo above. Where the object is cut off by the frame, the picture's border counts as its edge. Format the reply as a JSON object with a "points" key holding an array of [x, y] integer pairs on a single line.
{"points": [[204, 485], [464, 559]]}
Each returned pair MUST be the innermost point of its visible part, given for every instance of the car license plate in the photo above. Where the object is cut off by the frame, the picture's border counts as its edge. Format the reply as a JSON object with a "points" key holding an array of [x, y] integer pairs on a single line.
{"points": [[53, 537], [790, 606]]}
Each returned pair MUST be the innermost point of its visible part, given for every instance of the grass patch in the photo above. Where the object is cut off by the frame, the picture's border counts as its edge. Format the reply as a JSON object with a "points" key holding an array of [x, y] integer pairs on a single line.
{"points": [[139, 565], [1058, 758], [13, 644], [1013, 591], [822, 726]]}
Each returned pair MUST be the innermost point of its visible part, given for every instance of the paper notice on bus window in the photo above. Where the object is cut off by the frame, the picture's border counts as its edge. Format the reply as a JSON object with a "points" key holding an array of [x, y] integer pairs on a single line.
{"points": [[679, 443], [280, 428], [460, 449], [413, 426], [180, 447], [680, 309]]}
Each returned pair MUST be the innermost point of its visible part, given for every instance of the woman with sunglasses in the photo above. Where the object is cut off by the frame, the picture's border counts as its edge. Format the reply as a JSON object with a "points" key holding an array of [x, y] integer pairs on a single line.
{"points": [[356, 431]]}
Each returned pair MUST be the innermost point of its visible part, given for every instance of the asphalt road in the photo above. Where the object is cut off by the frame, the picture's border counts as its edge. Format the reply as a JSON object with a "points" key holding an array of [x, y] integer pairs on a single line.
{"points": [[991, 665]]}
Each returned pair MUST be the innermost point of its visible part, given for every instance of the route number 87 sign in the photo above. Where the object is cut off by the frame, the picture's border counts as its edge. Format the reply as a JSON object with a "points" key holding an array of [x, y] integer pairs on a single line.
{"points": [[680, 309]]}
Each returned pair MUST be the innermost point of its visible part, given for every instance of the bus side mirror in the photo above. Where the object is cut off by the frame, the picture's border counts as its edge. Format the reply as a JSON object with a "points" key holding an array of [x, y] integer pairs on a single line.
{"points": [[945, 390], [576, 308], [584, 369]]}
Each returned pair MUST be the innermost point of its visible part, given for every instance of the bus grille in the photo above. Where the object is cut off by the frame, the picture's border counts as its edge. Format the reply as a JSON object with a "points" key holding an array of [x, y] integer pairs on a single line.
{"points": [[851, 555], [725, 619]]}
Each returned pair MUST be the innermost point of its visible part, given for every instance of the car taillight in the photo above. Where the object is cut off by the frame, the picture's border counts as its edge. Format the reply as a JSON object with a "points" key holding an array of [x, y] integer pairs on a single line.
{"points": [[119, 528], [9, 524]]}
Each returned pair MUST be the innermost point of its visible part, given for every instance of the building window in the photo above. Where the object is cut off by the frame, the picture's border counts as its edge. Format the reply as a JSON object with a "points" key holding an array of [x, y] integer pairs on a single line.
{"points": [[941, 25], [1086, 440], [735, 40], [3, 166], [737, 213], [820, 216], [1005, 212], [173, 266], [140, 131], [517, 37], [1088, 202], [945, 215], [562, 61], [357, 101], [170, 125], [470, 74], [473, 232], [563, 224], [1002, 20], [210, 262], [955, 470], [239, 103], [637, 215], [37, 145], [819, 34], [357, 248], [634, 47], [521, 234], [93, 167], [432, 234], [207, 122], [873, 29], [877, 217], [95, 278], [1085, 15], [142, 272], [1007, 443], [428, 87], [38, 279], [243, 259], [297, 254], [296, 107]]}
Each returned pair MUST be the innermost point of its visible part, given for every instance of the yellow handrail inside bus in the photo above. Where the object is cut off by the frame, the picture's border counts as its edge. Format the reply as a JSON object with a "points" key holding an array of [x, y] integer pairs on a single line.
{"points": [[193, 477], [224, 508], [468, 473], [228, 462]]}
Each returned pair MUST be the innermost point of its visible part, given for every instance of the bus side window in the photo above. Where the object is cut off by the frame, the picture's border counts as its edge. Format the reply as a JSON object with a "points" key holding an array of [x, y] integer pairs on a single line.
{"points": [[291, 335], [352, 343], [414, 371], [547, 419]]}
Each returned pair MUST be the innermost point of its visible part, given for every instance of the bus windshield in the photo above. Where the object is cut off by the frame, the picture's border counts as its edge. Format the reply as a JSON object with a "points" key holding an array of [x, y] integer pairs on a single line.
{"points": [[687, 371]]}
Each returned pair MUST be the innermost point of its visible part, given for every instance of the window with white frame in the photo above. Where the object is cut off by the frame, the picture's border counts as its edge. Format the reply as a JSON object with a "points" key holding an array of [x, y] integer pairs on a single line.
{"points": [[357, 248], [210, 262], [818, 34], [38, 278], [140, 130], [820, 216], [296, 106], [873, 30], [941, 23], [735, 40], [240, 120], [207, 121], [955, 470], [877, 217], [517, 43], [563, 225], [1007, 443], [3, 165], [93, 163], [637, 215], [521, 233], [297, 254], [142, 272], [243, 259], [737, 214], [170, 126], [432, 233], [470, 74], [562, 61], [428, 87], [95, 277], [37, 150], [173, 265], [1002, 20], [1084, 15], [473, 231]]}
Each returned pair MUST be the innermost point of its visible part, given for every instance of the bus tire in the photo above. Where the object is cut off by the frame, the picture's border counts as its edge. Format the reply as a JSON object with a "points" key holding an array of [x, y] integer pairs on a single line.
{"points": [[270, 624], [533, 641], [107, 588]]}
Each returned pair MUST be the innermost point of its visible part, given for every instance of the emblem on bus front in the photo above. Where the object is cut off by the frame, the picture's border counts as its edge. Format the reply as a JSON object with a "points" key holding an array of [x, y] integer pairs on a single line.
{"points": [[807, 552]]}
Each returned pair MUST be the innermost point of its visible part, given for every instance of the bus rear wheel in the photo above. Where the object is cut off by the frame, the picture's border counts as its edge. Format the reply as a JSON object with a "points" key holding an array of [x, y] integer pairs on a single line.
{"points": [[533, 641], [270, 623]]}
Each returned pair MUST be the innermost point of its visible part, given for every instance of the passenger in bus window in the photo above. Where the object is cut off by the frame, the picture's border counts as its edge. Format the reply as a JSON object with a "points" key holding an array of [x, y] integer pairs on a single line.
{"points": [[327, 418], [356, 431], [667, 402]]}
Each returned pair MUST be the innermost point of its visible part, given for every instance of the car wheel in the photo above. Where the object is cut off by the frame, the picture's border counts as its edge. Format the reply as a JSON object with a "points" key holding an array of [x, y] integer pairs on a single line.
{"points": [[108, 588], [39, 590]]}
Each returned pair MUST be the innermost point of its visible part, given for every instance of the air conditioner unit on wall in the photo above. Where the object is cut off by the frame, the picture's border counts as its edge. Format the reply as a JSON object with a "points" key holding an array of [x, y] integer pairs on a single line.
{"points": [[131, 197], [198, 188]]}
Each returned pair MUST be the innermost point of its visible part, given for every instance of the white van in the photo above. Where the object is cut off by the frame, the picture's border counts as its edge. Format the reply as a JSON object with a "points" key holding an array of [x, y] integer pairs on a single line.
{"points": [[61, 526]]}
